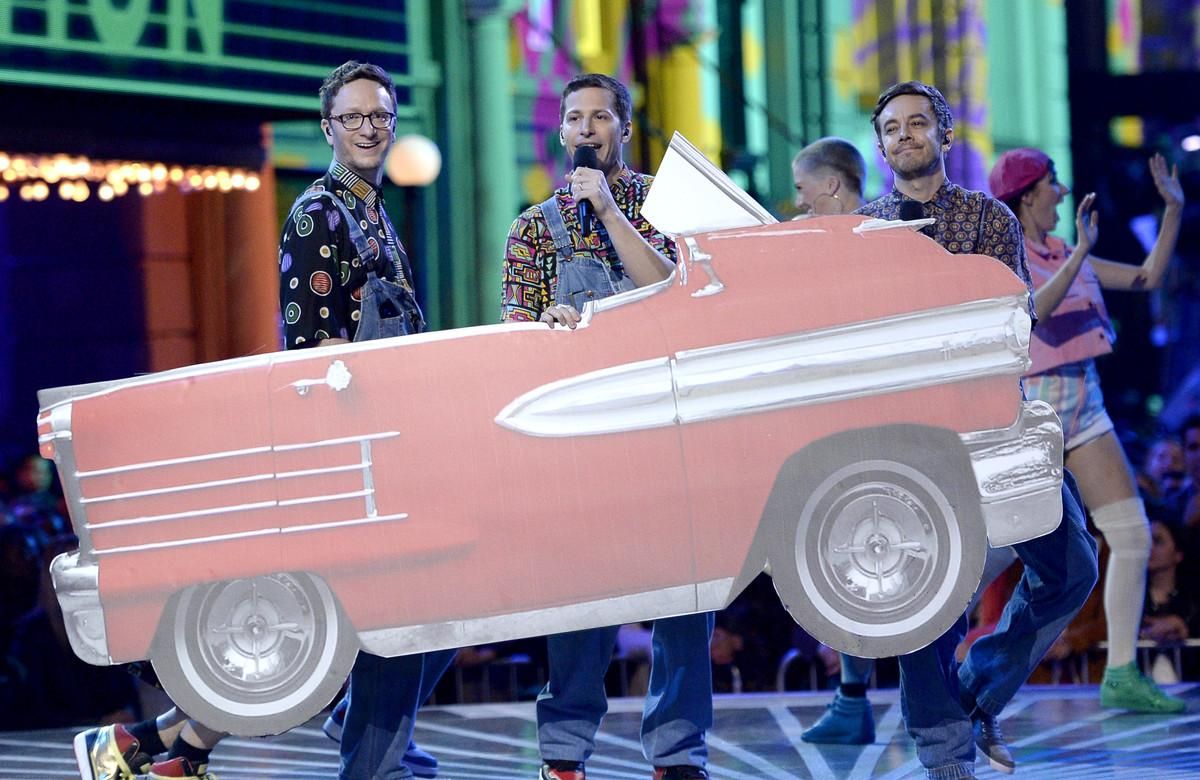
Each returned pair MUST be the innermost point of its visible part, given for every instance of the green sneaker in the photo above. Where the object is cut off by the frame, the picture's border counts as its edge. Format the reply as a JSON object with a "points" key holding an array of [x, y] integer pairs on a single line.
{"points": [[1126, 688]]}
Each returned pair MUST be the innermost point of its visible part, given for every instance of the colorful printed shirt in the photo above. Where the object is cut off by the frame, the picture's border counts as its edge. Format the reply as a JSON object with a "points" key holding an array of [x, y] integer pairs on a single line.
{"points": [[530, 262], [968, 222], [320, 273]]}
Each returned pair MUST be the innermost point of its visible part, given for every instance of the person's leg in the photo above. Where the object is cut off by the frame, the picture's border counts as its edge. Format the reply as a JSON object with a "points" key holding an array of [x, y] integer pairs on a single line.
{"points": [[571, 706], [188, 757], [384, 693], [678, 709], [1060, 571], [1107, 485], [849, 719], [929, 701]]}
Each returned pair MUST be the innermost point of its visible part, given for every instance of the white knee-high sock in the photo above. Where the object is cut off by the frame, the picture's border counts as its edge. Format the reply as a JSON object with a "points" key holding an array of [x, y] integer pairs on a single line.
{"points": [[1127, 532]]}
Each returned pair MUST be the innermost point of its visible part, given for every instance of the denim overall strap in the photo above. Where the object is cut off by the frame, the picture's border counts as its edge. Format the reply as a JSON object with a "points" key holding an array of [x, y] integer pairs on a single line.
{"points": [[581, 276], [558, 230]]}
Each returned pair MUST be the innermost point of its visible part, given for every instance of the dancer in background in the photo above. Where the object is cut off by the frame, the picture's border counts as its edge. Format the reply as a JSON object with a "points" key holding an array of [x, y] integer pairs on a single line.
{"points": [[1073, 329]]}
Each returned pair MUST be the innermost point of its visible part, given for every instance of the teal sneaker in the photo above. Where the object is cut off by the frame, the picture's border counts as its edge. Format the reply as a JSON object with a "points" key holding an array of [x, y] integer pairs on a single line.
{"points": [[848, 720], [1126, 688]]}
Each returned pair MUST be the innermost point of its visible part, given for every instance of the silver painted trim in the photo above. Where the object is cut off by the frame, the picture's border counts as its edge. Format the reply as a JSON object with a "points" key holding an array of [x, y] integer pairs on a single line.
{"points": [[664, 602], [250, 534], [330, 470], [1019, 472], [893, 354], [872, 225], [332, 442], [77, 587], [295, 529], [153, 464], [179, 488], [364, 449], [217, 510], [631, 396], [327, 497]]}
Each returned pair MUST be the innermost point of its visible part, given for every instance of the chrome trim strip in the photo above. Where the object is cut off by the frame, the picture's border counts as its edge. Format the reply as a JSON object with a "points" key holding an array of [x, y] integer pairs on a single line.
{"points": [[220, 510], [179, 488], [152, 464], [186, 542], [330, 470], [906, 352], [235, 453], [332, 442], [368, 478], [295, 529], [251, 534], [321, 499], [625, 397], [911, 351], [635, 607]]}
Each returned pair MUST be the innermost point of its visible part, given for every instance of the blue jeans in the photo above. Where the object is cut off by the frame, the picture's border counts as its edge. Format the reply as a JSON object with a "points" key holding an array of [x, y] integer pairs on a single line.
{"points": [[384, 696], [1060, 571], [678, 709]]}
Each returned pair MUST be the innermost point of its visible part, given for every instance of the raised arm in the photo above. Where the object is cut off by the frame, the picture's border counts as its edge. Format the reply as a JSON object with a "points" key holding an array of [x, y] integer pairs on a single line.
{"points": [[1047, 297], [1149, 275]]}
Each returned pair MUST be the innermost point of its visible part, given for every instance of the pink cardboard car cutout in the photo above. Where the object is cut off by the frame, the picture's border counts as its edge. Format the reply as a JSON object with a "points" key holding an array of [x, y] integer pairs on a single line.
{"points": [[836, 404]]}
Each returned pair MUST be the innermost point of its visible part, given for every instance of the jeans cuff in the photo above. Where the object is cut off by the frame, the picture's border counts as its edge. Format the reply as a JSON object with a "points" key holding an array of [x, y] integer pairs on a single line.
{"points": [[951, 772]]}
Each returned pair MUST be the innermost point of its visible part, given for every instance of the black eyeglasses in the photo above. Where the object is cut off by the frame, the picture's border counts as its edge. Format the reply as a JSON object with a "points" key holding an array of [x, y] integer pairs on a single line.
{"points": [[381, 120]]}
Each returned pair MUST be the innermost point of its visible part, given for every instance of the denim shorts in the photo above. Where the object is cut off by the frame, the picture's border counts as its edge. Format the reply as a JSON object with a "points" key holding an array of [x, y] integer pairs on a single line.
{"points": [[1074, 392]]}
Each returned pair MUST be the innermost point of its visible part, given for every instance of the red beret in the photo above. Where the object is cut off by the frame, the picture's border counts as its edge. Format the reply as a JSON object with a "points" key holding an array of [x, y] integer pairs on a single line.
{"points": [[1016, 170]]}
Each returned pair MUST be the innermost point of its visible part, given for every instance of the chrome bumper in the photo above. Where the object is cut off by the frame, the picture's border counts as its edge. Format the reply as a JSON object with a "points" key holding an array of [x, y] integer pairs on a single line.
{"points": [[78, 589], [1019, 472]]}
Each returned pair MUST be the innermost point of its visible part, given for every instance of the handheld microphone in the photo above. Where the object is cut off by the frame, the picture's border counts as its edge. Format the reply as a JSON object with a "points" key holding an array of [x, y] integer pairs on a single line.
{"points": [[910, 210], [585, 157]]}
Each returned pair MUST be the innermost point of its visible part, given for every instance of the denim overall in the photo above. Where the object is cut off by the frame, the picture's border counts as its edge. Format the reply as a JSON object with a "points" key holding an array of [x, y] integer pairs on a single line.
{"points": [[384, 693], [582, 276], [678, 707]]}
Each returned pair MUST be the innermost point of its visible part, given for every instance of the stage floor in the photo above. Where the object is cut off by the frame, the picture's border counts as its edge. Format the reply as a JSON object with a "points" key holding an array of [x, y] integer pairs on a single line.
{"points": [[1056, 732]]}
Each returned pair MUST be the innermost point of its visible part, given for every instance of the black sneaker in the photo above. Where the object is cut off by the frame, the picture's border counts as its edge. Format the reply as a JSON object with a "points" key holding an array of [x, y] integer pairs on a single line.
{"points": [[680, 772], [561, 770], [991, 742]]}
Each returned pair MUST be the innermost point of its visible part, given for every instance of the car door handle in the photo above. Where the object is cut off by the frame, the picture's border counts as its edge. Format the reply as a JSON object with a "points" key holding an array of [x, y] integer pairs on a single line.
{"points": [[337, 377]]}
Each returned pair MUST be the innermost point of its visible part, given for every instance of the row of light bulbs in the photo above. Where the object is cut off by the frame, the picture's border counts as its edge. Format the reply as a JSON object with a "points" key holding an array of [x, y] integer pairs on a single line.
{"points": [[78, 178]]}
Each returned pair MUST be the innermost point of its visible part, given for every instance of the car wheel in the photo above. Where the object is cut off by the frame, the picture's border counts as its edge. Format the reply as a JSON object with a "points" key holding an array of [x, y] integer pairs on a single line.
{"points": [[877, 547], [254, 656]]}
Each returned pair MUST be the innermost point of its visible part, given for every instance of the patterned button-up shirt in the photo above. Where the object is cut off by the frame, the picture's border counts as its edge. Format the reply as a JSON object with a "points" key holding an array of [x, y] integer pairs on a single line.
{"points": [[530, 262], [321, 275], [968, 222]]}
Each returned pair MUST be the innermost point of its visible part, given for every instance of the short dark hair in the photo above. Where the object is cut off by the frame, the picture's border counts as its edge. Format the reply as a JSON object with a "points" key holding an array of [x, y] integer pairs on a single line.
{"points": [[941, 109], [837, 155], [352, 71], [622, 102]]}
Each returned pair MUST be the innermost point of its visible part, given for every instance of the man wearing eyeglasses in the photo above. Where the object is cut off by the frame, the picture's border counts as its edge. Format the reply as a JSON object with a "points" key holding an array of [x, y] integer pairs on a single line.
{"points": [[344, 276]]}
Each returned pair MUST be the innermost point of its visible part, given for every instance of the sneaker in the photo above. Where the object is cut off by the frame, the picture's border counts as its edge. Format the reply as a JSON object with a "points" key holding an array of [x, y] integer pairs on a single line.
{"points": [[990, 742], [848, 720], [177, 769], [1126, 688], [420, 762], [680, 772], [109, 753], [561, 770]]}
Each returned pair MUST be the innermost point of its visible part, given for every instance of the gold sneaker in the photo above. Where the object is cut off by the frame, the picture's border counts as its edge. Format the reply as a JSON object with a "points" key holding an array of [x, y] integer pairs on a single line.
{"points": [[109, 753]]}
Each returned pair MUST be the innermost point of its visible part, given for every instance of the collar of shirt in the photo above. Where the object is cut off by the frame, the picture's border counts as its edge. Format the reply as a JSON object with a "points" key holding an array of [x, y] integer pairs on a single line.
{"points": [[942, 201], [1053, 249], [362, 189]]}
